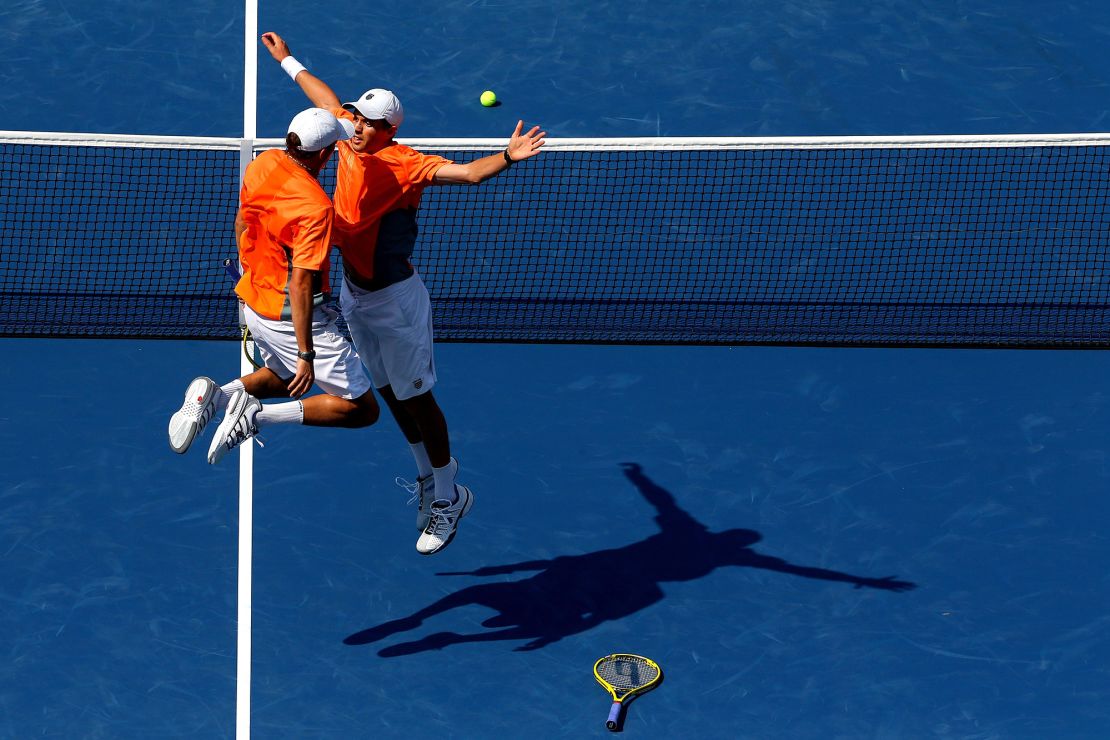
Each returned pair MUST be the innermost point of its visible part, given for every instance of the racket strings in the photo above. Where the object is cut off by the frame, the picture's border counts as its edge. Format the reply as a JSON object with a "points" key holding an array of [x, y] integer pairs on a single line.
{"points": [[627, 673]]}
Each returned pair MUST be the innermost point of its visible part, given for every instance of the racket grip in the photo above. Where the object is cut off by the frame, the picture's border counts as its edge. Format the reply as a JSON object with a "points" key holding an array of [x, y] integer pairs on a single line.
{"points": [[232, 269], [614, 715]]}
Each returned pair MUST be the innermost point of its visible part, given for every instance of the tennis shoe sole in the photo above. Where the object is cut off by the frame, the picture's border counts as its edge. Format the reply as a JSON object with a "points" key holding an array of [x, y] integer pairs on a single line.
{"points": [[196, 411]]}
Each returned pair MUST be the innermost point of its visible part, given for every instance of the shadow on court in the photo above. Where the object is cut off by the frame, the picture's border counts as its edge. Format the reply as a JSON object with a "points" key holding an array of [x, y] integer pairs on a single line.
{"points": [[574, 593]]}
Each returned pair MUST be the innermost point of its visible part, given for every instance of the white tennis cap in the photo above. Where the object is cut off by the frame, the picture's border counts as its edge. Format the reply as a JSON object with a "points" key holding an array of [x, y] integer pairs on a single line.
{"points": [[377, 104], [318, 128]]}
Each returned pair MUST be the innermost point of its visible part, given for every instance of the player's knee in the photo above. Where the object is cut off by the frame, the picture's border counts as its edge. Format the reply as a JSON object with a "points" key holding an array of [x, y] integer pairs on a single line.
{"points": [[366, 410]]}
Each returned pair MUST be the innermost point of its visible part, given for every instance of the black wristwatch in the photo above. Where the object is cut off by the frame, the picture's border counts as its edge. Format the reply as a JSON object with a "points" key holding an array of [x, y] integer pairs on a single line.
{"points": [[508, 159], [308, 356]]}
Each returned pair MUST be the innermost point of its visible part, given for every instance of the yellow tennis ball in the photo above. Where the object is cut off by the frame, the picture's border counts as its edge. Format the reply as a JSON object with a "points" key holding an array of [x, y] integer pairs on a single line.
{"points": [[488, 98]]}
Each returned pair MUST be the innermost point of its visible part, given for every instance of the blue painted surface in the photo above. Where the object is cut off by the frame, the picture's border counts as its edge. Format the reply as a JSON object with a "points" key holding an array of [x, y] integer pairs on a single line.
{"points": [[579, 67], [774, 481], [979, 477]]}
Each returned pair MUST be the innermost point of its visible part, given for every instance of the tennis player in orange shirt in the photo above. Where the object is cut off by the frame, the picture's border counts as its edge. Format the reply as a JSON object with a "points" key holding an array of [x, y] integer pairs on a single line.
{"points": [[284, 232], [385, 303]]}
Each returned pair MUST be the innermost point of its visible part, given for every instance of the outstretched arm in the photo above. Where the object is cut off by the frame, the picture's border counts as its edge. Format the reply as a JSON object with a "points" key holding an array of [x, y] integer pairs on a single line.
{"points": [[314, 88], [521, 146], [887, 583]]}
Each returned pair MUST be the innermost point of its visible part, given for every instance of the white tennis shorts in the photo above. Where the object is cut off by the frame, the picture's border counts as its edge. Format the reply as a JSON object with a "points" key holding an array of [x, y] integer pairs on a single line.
{"points": [[338, 369], [392, 329]]}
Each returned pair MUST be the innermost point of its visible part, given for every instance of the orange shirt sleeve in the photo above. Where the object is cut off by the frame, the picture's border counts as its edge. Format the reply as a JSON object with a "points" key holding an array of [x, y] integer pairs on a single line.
{"points": [[421, 168], [312, 237]]}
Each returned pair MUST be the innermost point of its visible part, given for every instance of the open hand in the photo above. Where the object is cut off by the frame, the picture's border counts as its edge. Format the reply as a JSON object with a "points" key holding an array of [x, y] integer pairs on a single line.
{"points": [[523, 146]]}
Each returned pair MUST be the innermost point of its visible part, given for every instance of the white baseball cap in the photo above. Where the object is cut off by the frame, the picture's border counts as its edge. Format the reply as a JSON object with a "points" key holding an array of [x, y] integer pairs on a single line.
{"points": [[377, 104], [318, 128]]}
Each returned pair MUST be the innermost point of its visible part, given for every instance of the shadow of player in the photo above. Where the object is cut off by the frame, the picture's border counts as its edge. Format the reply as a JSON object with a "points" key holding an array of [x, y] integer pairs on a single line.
{"points": [[570, 594]]}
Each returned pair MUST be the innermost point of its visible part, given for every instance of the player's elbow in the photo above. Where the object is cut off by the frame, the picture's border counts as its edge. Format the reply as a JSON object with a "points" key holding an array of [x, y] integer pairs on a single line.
{"points": [[472, 177], [459, 174], [301, 278], [302, 284], [467, 174]]}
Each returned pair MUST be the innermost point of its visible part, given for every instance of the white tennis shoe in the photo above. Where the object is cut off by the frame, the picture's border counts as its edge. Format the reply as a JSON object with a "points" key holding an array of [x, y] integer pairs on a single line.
{"points": [[443, 521], [423, 494], [196, 411], [237, 427]]}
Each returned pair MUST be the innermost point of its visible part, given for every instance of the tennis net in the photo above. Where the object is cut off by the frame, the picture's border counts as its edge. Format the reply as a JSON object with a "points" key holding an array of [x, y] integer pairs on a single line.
{"points": [[966, 241]]}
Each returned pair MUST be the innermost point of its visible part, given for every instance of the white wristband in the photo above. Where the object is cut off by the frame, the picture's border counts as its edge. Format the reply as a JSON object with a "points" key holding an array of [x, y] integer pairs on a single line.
{"points": [[292, 67]]}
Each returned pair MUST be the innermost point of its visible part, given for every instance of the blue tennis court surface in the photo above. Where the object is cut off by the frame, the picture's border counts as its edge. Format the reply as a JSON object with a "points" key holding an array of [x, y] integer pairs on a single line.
{"points": [[813, 543], [751, 518], [578, 67]]}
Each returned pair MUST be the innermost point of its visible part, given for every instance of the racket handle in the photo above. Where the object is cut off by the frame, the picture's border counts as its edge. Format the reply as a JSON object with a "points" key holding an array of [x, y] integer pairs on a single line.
{"points": [[232, 269], [614, 715]]}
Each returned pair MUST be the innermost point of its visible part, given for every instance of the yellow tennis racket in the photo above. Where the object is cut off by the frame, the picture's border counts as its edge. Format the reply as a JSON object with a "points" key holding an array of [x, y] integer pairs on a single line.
{"points": [[625, 675], [250, 351]]}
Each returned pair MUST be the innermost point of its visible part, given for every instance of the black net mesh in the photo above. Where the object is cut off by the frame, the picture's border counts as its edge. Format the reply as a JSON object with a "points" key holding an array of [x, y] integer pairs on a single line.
{"points": [[984, 245]]}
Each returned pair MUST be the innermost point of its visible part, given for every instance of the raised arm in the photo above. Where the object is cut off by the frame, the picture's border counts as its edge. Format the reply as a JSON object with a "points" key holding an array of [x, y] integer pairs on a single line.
{"points": [[314, 88], [521, 146], [887, 583]]}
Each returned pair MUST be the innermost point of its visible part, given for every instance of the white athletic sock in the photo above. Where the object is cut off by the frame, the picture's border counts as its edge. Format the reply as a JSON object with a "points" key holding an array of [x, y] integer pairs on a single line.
{"points": [[445, 481], [224, 396], [423, 464], [291, 412]]}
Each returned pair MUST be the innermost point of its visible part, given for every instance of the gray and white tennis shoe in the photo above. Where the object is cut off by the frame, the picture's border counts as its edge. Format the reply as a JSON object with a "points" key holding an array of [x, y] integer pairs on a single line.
{"points": [[196, 411], [237, 426], [443, 521]]}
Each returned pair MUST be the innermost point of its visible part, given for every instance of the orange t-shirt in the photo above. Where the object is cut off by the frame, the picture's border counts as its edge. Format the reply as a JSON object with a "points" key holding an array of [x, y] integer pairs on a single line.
{"points": [[289, 223], [369, 186]]}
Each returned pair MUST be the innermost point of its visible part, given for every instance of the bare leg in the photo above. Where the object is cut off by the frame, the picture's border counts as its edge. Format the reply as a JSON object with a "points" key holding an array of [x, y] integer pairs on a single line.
{"points": [[321, 410], [404, 420], [264, 383], [421, 420], [331, 411]]}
